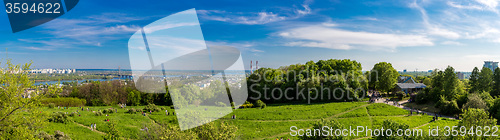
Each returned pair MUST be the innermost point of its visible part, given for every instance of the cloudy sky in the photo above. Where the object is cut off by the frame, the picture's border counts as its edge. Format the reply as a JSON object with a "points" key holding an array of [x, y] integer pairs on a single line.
{"points": [[412, 34]]}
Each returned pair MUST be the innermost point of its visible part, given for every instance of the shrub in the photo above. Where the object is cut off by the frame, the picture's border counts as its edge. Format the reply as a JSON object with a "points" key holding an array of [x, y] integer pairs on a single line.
{"points": [[60, 135], [57, 136], [59, 117], [52, 105], [44, 135], [72, 114], [109, 110], [476, 117], [474, 101], [392, 125], [97, 113], [260, 104], [320, 125], [151, 107], [220, 104], [72, 102], [449, 107], [131, 111]]}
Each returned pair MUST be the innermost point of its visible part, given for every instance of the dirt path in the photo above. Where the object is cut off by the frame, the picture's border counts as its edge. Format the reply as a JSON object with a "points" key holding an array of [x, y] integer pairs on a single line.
{"points": [[381, 100], [89, 128]]}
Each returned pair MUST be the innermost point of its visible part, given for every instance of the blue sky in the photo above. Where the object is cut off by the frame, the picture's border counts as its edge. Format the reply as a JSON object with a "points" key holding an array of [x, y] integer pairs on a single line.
{"points": [[421, 34]]}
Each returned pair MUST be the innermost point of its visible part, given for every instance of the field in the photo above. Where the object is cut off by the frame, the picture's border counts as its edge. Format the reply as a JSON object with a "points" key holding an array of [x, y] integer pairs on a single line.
{"points": [[271, 122]]}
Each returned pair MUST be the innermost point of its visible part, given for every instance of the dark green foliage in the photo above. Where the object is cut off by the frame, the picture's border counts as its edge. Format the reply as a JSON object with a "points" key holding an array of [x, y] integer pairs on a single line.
{"points": [[496, 83], [260, 104], [474, 101], [475, 117], [51, 105], [333, 124], [59, 117], [109, 110], [58, 135], [447, 107], [422, 96], [392, 125], [151, 107], [495, 109], [131, 111], [302, 81], [98, 113], [474, 80], [112, 133], [485, 80], [383, 77]]}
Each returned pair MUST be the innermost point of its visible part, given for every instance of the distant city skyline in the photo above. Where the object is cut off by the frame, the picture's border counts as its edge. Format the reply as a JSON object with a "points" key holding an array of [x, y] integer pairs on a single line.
{"points": [[415, 34]]}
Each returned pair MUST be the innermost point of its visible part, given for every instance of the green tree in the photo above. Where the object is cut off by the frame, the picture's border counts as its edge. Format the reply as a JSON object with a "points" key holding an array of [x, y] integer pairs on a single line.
{"points": [[474, 101], [321, 125], [474, 118], [496, 83], [392, 125], [15, 87], [485, 80], [112, 133], [473, 80], [383, 77]]}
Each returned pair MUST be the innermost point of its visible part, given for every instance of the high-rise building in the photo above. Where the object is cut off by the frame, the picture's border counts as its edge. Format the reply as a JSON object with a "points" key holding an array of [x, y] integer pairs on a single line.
{"points": [[491, 65]]}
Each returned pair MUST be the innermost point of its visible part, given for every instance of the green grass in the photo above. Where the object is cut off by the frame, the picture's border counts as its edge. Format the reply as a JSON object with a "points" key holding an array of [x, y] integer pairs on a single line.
{"points": [[72, 130], [380, 109], [296, 112], [360, 112], [272, 122]]}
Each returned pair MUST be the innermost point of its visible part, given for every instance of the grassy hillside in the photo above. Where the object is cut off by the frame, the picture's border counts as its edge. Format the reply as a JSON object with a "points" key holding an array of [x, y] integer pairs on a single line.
{"points": [[270, 123]]}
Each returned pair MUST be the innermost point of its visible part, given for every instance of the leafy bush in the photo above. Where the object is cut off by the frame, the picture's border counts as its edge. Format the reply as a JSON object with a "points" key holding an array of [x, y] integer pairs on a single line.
{"points": [[260, 104], [98, 113], [392, 125], [448, 107], [246, 106], [72, 102], [474, 101], [132, 111], [60, 135], [108, 111], [57, 136], [72, 114], [151, 107], [112, 133], [220, 104], [475, 117], [44, 135], [52, 105], [334, 124], [59, 117], [216, 131]]}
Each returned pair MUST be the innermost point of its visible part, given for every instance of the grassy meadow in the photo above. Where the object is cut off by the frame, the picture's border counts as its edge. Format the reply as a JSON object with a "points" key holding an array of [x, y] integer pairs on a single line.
{"points": [[272, 122]]}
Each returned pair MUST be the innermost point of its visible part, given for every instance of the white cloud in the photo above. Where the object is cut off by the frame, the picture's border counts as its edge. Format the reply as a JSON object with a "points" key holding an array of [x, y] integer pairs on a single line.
{"points": [[240, 46], [253, 18], [482, 5], [452, 43], [333, 38], [433, 29]]}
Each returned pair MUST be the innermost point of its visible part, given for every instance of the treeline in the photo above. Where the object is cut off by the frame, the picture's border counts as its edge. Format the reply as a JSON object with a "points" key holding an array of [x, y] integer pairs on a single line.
{"points": [[322, 81], [102, 93], [454, 96], [72, 76]]}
